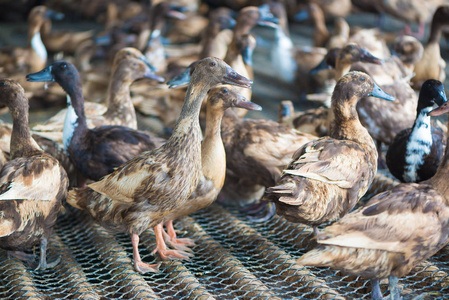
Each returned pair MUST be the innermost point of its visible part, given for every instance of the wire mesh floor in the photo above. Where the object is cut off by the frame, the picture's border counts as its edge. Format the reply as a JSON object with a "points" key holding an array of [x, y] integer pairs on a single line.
{"points": [[234, 258]]}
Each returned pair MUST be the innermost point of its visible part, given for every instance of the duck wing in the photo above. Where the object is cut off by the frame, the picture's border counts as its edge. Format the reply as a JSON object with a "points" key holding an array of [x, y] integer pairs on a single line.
{"points": [[31, 178], [338, 162], [405, 219]]}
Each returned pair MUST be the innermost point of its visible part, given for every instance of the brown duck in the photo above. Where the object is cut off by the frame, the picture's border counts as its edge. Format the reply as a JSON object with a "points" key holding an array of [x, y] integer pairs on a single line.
{"points": [[213, 156], [152, 187], [326, 177], [32, 184], [371, 241]]}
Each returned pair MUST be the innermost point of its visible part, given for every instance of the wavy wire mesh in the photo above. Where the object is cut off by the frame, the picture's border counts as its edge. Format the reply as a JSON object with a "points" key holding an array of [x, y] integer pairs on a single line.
{"points": [[234, 258]]}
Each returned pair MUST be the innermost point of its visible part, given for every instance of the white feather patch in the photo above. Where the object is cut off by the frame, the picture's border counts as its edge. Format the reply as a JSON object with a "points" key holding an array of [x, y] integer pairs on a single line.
{"points": [[38, 46], [70, 123]]}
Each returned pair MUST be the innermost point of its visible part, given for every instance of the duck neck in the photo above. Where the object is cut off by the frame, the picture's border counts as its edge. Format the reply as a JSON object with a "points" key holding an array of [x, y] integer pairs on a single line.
{"points": [[119, 103], [188, 122], [345, 123], [75, 120], [341, 69], [439, 180], [436, 31], [213, 155], [22, 144]]}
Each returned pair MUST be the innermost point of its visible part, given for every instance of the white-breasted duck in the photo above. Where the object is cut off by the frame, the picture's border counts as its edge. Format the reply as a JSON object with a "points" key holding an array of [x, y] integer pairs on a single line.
{"points": [[326, 177], [371, 242], [34, 57], [415, 153], [129, 65], [32, 184], [151, 187], [98, 151]]}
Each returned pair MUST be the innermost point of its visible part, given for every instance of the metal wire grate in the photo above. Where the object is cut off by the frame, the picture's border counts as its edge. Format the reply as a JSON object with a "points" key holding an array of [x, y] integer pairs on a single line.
{"points": [[235, 258]]}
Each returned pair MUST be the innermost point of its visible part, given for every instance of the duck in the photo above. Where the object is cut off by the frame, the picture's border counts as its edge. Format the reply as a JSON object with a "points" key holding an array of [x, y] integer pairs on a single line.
{"points": [[431, 65], [371, 241], [148, 189], [34, 57], [409, 50], [316, 121], [410, 11], [251, 144], [129, 65], [150, 39], [415, 153], [327, 176], [32, 186], [213, 156], [98, 151], [63, 40]]}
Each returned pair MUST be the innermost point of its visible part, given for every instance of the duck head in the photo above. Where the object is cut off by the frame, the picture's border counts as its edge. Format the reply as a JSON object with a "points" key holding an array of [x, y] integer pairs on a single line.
{"points": [[226, 97], [231, 77], [131, 69], [328, 61], [131, 52], [251, 16], [10, 92], [63, 72], [354, 86], [159, 12], [246, 45], [38, 15], [217, 71], [352, 53], [408, 48], [221, 18], [432, 93]]}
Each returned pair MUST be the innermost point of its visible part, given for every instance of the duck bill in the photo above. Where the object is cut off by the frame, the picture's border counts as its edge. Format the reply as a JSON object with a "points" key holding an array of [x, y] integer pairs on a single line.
{"points": [[151, 75], [233, 78], [145, 60], [176, 12], [54, 15], [441, 99], [267, 19], [379, 93], [247, 56], [181, 80], [43, 75], [439, 110], [302, 15], [321, 66], [369, 58], [244, 103]]}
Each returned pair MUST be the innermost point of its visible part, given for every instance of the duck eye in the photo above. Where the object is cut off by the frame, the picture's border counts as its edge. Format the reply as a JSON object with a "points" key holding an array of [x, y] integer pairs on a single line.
{"points": [[362, 78], [225, 91], [212, 64], [2, 83], [135, 64], [64, 66]]}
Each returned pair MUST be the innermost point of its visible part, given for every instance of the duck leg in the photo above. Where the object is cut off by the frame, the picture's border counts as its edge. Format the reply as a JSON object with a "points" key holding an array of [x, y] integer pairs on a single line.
{"points": [[395, 292], [43, 258], [139, 265], [161, 247], [174, 241], [376, 293]]}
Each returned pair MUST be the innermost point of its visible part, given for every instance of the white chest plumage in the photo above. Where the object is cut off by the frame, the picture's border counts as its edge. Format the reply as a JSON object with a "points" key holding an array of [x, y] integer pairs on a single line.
{"points": [[38, 46], [70, 123], [282, 58], [419, 145]]}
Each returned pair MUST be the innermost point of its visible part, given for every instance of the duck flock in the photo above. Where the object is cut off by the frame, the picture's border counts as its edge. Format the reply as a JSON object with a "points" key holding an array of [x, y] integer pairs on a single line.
{"points": [[187, 68]]}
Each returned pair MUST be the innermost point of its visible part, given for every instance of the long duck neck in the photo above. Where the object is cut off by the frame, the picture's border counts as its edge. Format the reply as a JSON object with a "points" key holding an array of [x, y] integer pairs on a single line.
{"points": [[75, 121], [346, 125], [436, 31], [213, 155], [341, 69], [188, 122], [22, 144], [118, 101]]}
